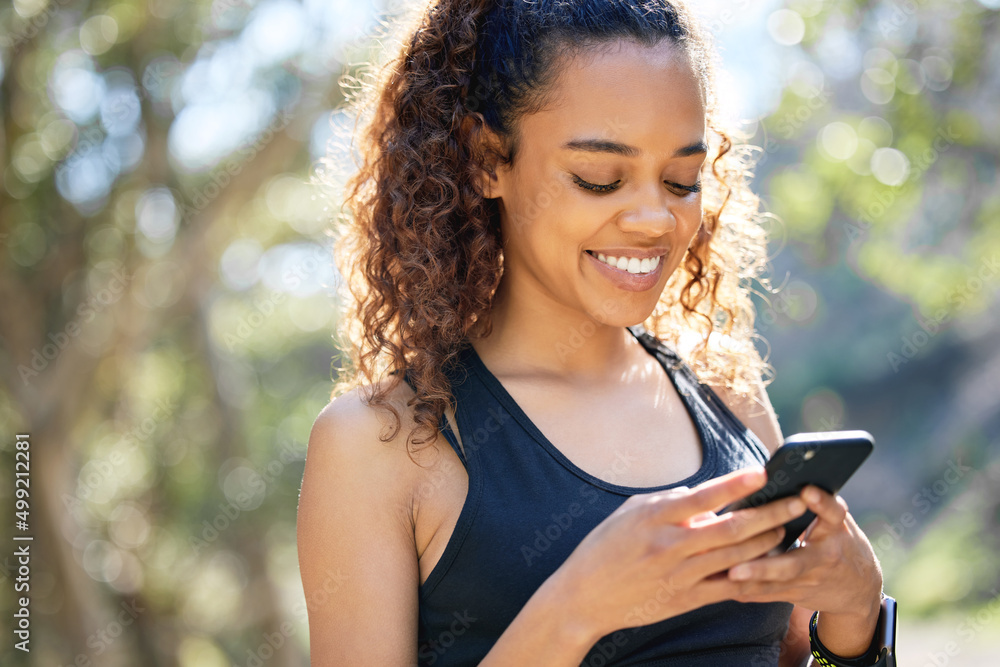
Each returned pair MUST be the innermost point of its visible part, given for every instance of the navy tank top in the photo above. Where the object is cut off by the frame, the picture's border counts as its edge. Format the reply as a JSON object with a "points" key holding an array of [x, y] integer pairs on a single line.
{"points": [[528, 507]]}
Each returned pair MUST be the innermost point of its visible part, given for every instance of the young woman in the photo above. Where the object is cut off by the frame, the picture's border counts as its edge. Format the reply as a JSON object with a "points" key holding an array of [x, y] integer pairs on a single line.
{"points": [[548, 212]]}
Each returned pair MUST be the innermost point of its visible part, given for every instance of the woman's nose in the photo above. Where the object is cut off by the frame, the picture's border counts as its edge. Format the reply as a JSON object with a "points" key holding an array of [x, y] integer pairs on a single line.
{"points": [[650, 214]]}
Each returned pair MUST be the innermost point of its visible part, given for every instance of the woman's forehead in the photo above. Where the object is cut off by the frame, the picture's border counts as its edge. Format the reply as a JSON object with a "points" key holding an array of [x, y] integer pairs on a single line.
{"points": [[621, 91]]}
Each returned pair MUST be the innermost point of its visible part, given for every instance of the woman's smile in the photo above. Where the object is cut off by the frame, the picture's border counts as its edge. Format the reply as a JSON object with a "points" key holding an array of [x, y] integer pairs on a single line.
{"points": [[634, 272], [645, 259]]}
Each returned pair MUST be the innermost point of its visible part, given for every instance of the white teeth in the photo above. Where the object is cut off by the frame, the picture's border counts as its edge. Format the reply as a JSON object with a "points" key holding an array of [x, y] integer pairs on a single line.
{"points": [[630, 264]]}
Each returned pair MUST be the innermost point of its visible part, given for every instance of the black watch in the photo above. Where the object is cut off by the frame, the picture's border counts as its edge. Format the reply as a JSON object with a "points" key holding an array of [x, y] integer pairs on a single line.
{"points": [[881, 652]]}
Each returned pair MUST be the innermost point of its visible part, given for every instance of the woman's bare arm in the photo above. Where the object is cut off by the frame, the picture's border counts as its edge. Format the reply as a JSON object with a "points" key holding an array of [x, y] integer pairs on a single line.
{"points": [[357, 555]]}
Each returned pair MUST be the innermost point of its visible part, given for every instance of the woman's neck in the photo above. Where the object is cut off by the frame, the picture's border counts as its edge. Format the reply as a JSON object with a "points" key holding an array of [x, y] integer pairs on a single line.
{"points": [[534, 335]]}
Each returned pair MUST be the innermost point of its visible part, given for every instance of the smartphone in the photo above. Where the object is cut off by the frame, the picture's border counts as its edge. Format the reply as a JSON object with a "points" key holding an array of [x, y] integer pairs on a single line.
{"points": [[826, 460]]}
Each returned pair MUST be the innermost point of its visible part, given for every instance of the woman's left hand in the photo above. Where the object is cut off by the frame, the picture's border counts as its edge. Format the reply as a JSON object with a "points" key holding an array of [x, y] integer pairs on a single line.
{"points": [[835, 571]]}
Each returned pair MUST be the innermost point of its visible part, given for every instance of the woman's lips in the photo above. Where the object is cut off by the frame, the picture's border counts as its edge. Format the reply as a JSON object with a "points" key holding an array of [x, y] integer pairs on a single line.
{"points": [[631, 282]]}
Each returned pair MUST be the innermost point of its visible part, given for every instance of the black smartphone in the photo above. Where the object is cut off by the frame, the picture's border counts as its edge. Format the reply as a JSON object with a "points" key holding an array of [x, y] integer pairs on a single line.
{"points": [[826, 460]]}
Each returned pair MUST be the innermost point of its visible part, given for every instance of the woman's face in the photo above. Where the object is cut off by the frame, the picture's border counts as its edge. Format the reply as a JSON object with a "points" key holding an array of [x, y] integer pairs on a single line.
{"points": [[609, 169]]}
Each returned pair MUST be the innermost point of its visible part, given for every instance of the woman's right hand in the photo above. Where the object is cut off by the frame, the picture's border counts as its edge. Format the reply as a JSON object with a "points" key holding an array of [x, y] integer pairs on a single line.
{"points": [[664, 553]]}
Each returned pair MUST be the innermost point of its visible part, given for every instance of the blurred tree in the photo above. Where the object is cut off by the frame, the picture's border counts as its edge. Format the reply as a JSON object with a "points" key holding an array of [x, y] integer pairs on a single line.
{"points": [[148, 150]]}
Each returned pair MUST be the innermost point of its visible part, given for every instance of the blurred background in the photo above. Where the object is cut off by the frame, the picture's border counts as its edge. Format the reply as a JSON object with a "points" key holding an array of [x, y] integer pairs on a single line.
{"points": [[167, 301]]}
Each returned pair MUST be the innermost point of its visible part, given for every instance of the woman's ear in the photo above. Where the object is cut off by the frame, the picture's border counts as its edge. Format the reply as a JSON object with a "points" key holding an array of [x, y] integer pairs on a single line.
{"points": [[485, 147], [487, 184]]}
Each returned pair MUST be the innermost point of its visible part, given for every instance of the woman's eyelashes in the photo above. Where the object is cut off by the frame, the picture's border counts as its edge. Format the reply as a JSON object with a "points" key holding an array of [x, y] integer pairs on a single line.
{"points": [[685, 189], [611, 187], [594, 187]]}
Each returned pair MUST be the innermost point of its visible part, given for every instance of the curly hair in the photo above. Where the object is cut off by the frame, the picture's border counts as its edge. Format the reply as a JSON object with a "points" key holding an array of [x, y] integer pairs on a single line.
{"points": [[420, 247]]}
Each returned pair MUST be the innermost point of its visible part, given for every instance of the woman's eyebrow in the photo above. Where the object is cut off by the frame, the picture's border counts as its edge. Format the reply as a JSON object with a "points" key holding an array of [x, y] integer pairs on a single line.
{"points": [[604, 146]]}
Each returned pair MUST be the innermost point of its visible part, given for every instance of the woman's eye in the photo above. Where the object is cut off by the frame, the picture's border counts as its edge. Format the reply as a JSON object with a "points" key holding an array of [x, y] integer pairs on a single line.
{"points": [[684, 189], [677, 188], [595, 187]]}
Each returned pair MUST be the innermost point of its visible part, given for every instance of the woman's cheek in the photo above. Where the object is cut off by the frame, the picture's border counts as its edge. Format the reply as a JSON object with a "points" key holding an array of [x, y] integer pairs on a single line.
{"points": [[692, 215]]}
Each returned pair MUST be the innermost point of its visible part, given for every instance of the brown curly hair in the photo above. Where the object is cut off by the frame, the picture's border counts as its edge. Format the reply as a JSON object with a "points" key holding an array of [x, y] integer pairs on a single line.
{"points": [[420, 248]]}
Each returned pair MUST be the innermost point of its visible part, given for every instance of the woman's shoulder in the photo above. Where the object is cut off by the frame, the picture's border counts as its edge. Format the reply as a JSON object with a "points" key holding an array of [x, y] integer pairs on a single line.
{"points": [[350, 436], [360, 430]]}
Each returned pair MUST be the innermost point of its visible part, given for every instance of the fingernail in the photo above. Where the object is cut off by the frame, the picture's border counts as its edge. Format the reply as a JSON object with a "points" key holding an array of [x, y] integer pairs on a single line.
{"points": [[797, 506], [740, 573], [812, 495]]}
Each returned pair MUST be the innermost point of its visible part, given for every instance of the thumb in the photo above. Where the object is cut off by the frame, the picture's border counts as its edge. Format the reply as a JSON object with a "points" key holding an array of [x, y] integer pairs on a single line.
{"points": [[830, 511]]}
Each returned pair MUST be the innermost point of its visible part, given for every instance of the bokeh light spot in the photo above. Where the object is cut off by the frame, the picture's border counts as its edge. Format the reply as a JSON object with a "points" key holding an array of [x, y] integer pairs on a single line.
{"points": [[838, 140], [878, 85], [890, 166], [786, 27], [238, 264], [98, 34]]}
